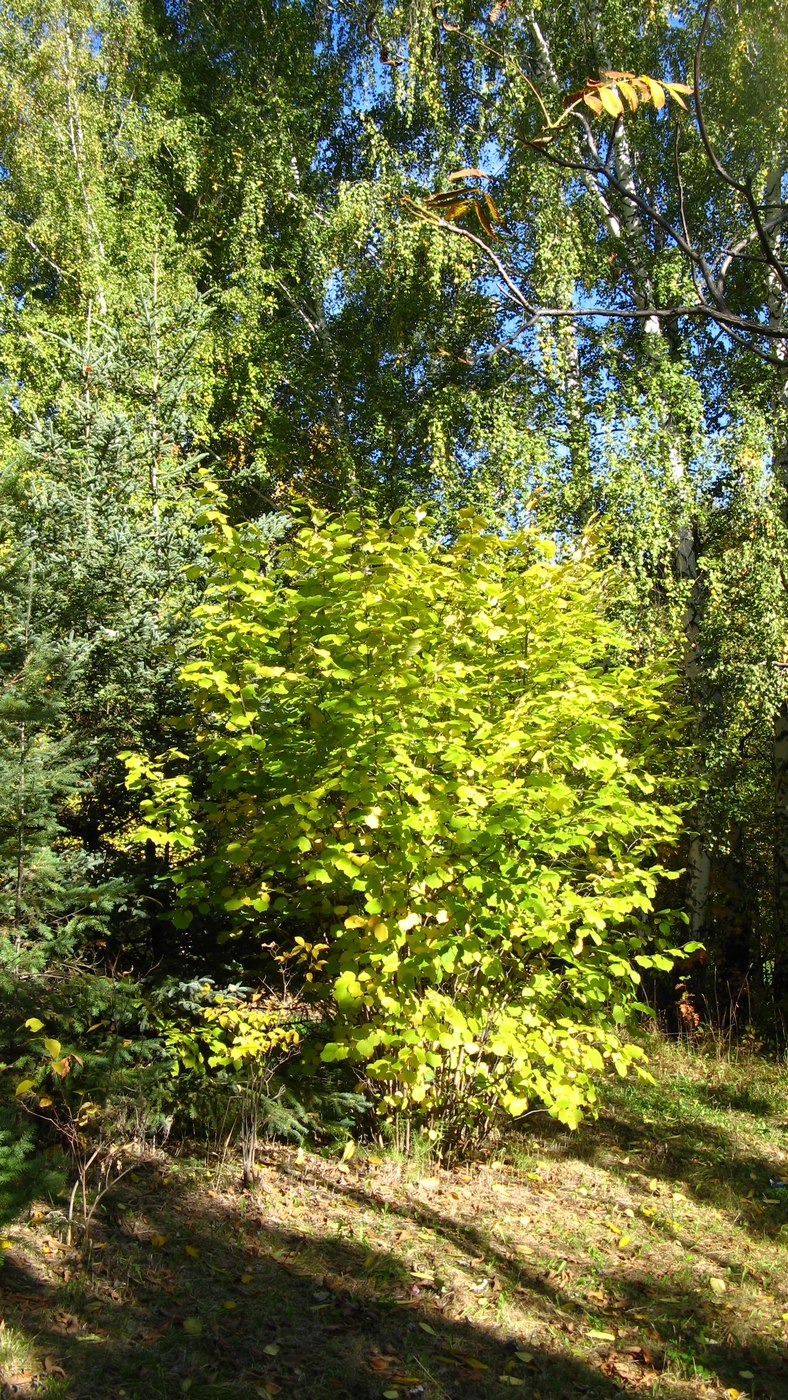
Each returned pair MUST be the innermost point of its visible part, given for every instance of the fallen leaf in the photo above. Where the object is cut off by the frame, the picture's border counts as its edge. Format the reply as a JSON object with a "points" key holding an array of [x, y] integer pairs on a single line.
{"points": [[525, 1356], [602, 1336], [191, 1249], [717, 1285], [229, 1304], [380, 1363], [425, 1327], [272, 1349], [192, 1325], [158, 1240]]}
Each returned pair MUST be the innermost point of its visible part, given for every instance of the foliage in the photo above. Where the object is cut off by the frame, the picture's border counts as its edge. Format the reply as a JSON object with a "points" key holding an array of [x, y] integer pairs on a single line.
{"points": [[24, 1173], [424, 763]]}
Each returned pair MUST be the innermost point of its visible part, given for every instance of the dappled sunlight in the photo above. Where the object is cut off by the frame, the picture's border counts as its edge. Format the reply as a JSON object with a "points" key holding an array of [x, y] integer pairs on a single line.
{"points": [[550, 1274]]}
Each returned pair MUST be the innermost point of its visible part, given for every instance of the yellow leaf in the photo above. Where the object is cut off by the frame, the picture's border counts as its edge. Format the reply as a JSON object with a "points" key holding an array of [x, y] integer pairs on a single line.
{"points": [[246, 1278], [192, 1250], [381, 931], [272, 1349], [675, 89], [717, 1285], [229, 1305], [158, 1240], [611, 101], [407, 922], [33, 1024], [656, 90], [591, 100], [491, 206], [6, 1244], [349, 1151], [425, 1327], [24, 1086], [484, 219], [525, 1356], [52, 1048], [624, 1241], [629, 92]]}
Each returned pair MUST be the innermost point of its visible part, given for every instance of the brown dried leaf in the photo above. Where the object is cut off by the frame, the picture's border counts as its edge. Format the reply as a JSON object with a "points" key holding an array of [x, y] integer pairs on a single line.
{"points": [[470, 172]]}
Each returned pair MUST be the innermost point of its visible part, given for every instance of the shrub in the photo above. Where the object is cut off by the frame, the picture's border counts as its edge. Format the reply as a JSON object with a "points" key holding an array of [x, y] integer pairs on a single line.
{"points": [[432, 775]]}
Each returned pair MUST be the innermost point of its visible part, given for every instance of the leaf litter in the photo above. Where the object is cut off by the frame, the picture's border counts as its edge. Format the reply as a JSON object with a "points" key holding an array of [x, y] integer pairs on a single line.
{"points": [[367, 1276]]}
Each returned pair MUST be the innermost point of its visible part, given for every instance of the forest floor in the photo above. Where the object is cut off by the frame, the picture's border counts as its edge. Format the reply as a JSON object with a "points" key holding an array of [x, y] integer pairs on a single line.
{"points": [[645, 1255]]}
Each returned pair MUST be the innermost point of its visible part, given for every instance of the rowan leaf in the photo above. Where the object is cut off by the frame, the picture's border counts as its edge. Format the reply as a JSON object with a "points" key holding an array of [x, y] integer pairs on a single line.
{"points": [[630, 92], [469, 172], [656, 91], [675, 90], [484, 219], [611, 101]]}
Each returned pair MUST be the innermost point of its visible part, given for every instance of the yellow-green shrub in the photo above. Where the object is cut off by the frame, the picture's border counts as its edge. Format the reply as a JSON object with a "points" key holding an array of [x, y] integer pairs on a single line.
{"points": [[439, 763]]}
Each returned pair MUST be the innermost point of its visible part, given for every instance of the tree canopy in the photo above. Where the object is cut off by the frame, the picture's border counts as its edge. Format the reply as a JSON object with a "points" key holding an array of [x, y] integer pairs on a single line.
{"points": [[394, 465]]}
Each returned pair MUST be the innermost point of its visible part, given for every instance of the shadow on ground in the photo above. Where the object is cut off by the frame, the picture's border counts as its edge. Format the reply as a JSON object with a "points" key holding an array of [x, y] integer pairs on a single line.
{"points": [[726, 1168], [190, 1293]]}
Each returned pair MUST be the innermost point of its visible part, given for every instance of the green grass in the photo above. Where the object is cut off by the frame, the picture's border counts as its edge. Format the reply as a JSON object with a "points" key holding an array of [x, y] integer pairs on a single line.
{"points": [[642, 1256]]}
